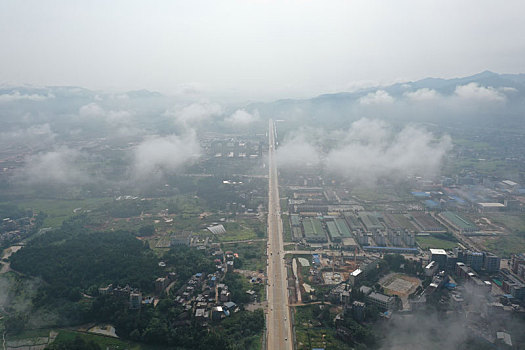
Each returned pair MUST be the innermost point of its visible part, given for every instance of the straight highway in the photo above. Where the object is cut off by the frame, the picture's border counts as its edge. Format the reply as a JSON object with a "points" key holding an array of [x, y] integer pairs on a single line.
{"points": [[278, 326]]}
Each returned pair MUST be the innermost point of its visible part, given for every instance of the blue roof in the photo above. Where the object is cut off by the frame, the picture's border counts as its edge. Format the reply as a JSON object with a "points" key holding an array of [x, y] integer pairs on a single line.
{"points": [[394, 249], [457, 199], [421, 194], [213, 278], [198, 274], [431, 204]]}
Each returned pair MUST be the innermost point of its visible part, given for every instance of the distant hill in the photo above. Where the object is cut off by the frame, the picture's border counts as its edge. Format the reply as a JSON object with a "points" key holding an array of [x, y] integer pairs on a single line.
{"points": [[484, 99], [487, 97]]}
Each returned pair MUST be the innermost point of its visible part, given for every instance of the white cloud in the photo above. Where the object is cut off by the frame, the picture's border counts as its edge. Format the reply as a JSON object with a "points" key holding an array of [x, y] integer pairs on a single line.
{"points": [[297, 151], [121, 121], [242, 117], [507, 89], [91, 110], [423, 95], [157, 155], [34, 136], [370, 150], [55, 167], [383, 153], [368, 131], [474, 91], [378, 97], [195, 113], [17, 96]]}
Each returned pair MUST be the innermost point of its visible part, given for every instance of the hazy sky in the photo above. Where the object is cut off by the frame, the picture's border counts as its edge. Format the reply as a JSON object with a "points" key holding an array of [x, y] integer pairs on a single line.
{"points": [[255, 49]]}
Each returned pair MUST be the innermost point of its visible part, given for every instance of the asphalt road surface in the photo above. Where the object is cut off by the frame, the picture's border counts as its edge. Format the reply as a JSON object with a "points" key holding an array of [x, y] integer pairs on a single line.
{"points": [[278, 327]]}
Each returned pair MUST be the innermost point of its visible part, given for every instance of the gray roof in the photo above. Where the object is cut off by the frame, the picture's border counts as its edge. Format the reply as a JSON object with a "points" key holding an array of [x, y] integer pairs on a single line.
{"points": [[505, 337], [380, 297], [217, 229], [366, 290], [230, 305]]}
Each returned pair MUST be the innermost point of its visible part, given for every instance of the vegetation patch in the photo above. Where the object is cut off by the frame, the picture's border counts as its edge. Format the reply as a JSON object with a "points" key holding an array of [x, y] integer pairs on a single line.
{"points": [[426, 242]]}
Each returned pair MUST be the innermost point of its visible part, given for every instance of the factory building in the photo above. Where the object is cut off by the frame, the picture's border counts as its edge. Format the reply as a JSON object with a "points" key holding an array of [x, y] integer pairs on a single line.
{"points": [[457, 222], [381, 300]]}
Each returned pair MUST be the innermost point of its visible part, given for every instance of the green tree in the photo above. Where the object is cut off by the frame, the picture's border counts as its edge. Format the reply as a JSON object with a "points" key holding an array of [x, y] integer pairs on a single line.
{"points": [[75, 344]]}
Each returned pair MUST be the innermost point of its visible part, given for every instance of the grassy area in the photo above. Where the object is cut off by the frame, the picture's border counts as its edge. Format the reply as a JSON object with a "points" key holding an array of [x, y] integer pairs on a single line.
{"points": [[58, 210], [104, 342], [284, 204], [28, 334], [493, 167], [63, 336], [252, 254], [310, 334], [515, 222], [287, 230], [426, 242], [242, 230], [505, 245]]}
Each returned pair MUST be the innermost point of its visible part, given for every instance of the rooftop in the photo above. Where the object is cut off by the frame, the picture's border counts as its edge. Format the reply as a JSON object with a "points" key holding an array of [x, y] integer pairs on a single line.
{"points": [[380, 297]]}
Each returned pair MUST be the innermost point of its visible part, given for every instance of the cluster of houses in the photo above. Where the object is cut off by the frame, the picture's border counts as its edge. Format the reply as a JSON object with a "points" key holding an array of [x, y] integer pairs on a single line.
{"points": [[12, 231], [203, 297], [206, 298], [134, 295]]}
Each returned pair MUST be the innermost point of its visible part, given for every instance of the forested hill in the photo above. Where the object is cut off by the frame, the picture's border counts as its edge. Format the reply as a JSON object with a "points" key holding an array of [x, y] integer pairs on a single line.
{"points": [[67, 261]]}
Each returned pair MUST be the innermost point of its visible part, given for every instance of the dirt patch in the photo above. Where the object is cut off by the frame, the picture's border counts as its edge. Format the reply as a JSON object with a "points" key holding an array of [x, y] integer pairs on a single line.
{"points": [[400, 284]]}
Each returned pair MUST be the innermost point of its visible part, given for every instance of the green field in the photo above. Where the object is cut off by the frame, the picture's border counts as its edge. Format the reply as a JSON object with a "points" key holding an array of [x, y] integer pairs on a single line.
{"points": [[63, 336], [514, 222], [103, 341], [242, 230], [506, 245], [284, 204], [426, 242], [58, 210], [252, 254], [311, 334], [287, 231]]}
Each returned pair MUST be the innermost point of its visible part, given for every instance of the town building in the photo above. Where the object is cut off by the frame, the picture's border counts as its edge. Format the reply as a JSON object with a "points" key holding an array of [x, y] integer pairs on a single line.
{"points": [[439, 256]]}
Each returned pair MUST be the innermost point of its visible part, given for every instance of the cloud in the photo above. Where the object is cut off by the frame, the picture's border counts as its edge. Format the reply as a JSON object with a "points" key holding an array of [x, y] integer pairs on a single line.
{"points": [[378, 97], [474, 91], [157, 155], [368, 131], [383, 153], [297, 152], [369, 151], [241, 117], [195, 113], [17, 96], [422, 95], [33, 137], [122, 122], [59, 166], [91, 110]]}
